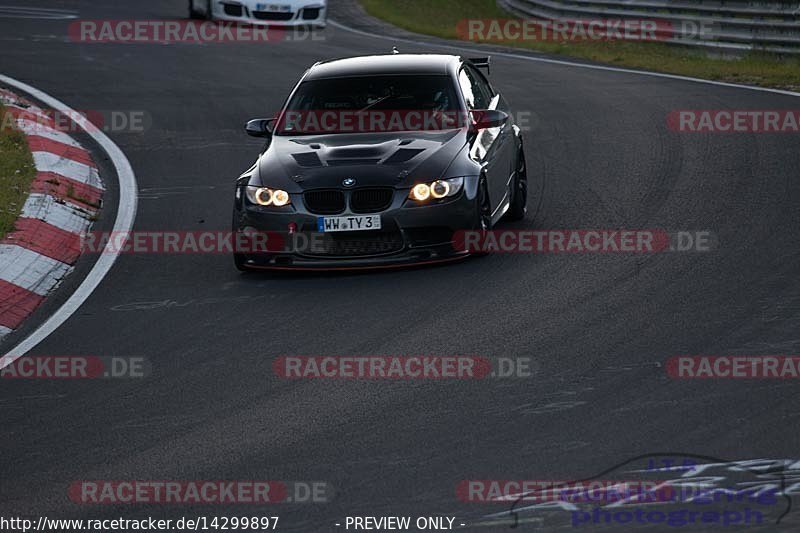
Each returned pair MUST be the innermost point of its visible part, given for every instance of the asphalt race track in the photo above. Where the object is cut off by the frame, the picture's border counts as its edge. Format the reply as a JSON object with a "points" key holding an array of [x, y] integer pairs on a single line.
{"points": [[599, 327]]}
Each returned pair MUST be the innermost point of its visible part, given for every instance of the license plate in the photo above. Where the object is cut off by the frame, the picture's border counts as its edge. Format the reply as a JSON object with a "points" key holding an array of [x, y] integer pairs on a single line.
{"points": [[273, 7], [351, 223]]}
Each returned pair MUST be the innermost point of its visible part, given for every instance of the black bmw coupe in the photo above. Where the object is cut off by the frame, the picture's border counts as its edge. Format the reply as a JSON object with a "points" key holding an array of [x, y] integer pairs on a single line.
{"points": [[379, 161]]}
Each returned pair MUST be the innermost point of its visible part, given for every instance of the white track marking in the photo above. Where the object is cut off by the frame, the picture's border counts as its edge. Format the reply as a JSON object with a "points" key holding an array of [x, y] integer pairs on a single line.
{"points": [[126, 214], [567, 63]]}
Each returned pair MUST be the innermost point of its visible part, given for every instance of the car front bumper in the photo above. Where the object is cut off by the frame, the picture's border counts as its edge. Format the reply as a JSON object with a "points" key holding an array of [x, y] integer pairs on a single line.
{"points": [[409, 235], [272, 12]]}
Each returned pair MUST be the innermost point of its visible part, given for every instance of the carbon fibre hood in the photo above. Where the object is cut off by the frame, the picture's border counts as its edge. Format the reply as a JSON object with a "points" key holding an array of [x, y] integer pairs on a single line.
{"points": [[298, 163]]}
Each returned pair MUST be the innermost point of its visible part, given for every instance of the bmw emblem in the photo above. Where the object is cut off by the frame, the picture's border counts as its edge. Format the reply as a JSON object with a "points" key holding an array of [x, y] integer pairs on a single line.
{"points": [[348, 182]]}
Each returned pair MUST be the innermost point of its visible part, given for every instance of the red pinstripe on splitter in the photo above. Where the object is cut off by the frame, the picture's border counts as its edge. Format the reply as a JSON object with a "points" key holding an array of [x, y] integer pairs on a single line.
{"points": [[43, 144], [45, 239], [16, 304], [67, 189]]}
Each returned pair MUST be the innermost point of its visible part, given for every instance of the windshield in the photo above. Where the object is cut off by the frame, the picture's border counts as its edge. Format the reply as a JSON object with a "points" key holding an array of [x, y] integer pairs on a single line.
{"points": [[371, 104]]}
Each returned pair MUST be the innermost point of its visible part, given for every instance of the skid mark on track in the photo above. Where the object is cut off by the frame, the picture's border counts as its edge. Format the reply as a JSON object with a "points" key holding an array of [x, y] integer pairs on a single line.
{"points": [[24, 12]]}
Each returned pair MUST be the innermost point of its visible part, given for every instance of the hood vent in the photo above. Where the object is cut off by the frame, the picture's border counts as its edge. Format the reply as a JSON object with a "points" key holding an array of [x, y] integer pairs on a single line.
{"points": [[352, 153], [402, 155], [346, 162], [307, 159]]}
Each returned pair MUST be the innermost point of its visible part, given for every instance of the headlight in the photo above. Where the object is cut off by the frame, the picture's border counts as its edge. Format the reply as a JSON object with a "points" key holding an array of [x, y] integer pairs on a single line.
{"points": [[267, 196], [422, 192]]}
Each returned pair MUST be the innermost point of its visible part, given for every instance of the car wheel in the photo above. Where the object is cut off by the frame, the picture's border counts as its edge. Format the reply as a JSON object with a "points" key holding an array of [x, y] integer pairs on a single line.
{"points": [[484, 206], [200, 15], [239, 261], [483, 214], [519, 200]]}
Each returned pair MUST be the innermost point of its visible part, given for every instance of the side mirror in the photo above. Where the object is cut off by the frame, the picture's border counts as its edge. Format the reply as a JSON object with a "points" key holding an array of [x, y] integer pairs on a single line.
{"points": [[488, 118], [259, 127]]}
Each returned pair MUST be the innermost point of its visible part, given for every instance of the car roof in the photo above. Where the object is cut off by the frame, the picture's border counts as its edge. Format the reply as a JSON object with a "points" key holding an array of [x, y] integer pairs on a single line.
{"points": [[378, 65]]}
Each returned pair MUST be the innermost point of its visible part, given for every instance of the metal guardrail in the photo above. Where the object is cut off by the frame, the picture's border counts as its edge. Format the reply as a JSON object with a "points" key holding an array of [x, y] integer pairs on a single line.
{"points": [[726, 25]]}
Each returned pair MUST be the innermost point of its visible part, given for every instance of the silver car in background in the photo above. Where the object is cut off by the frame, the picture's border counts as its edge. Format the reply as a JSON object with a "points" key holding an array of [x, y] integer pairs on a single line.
{"points": [[271, 12]]}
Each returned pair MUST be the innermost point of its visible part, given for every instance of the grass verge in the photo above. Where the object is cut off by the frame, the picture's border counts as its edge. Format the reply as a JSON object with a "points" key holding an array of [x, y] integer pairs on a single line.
{"points": [[440, 18], [16, 172]]}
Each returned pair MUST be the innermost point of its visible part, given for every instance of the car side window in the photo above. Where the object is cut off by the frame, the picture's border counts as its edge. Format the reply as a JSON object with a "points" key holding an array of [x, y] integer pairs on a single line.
{"points": [[476, 95], [483, 83]]}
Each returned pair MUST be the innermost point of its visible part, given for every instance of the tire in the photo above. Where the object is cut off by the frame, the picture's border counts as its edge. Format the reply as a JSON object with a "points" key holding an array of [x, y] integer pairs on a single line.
{"points": [[199, 15], [239, 262], [483, 212], [484, 206], [239, 259], [519, 199]]}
